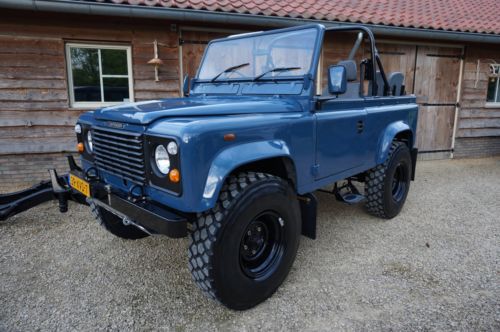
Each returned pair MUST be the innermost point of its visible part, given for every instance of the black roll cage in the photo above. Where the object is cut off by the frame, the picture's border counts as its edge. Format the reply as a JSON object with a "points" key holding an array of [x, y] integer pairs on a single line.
{"points": [[374, 56]]}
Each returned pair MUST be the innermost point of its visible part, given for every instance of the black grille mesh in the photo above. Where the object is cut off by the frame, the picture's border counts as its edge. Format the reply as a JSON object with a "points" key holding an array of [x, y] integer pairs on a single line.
{"points": [[120, 153]]}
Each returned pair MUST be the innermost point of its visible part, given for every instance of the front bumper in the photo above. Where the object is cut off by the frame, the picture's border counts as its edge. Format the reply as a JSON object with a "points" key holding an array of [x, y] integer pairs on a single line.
{"points": [[142, 213]]}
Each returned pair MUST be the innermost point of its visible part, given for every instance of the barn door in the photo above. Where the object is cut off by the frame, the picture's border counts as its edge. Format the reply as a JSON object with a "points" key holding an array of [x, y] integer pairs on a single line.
{"points": [[399, 58], [193, 45], [431, 73], [436, 86]]}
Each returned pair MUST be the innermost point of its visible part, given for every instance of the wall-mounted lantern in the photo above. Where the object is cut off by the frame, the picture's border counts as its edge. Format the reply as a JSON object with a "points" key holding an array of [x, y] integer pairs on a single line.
{"points": [[157, 62]]}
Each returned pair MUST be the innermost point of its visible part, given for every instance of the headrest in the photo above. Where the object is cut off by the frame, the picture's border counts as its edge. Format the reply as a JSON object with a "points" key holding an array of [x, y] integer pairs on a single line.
{"points": [[351, 70], [396, 78]]}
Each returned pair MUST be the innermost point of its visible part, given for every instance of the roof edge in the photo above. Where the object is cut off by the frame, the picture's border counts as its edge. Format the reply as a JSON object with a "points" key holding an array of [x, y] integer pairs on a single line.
{"points": [[204, 16]]}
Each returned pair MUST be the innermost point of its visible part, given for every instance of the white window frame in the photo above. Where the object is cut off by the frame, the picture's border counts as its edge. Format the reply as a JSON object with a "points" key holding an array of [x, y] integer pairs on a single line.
{"points": [[99, 47], [494, 67]]}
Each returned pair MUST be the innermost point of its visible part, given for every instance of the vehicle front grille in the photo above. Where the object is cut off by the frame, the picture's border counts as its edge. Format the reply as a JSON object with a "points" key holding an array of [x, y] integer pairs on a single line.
{"points": [[120, 153]]}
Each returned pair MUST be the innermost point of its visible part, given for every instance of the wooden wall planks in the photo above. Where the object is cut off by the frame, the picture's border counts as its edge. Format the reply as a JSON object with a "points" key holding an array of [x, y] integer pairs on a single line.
{"points": [[35, 115], [475, 119]]}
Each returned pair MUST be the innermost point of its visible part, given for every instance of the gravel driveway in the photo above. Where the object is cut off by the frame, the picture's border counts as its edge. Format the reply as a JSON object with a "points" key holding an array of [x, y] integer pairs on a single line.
{"points": [[434, 267]]}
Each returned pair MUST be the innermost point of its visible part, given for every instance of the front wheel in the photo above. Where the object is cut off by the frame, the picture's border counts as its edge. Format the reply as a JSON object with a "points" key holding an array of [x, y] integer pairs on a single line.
{"points": [[387, 185], [242, 250]]}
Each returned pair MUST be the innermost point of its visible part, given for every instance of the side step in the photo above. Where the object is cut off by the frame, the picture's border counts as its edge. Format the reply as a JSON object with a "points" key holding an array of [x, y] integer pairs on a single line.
{"points": [[346, 193], [352, 199]]}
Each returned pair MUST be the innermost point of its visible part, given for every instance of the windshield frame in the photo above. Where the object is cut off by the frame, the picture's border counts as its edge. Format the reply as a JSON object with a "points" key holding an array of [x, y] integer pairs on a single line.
{"points": [[312, 68]]}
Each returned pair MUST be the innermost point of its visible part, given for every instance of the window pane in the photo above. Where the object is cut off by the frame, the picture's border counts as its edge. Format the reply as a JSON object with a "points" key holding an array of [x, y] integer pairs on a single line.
{"points": [[85, 69], [115, 89], [492, 87], [114, 62]]}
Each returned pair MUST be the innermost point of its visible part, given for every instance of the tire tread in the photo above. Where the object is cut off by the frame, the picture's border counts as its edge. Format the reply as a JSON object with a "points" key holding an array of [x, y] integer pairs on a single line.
{"points": [[374, 185], [205, 229]]}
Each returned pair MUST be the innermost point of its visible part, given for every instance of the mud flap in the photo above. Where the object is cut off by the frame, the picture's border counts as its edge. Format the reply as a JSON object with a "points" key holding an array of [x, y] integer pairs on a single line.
{"points": [[308, 211], [414, 154]]}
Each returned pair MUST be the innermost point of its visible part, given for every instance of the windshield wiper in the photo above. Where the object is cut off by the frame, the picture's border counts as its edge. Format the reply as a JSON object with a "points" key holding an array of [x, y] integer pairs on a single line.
{"points": [[278, 69], [228, 70]]}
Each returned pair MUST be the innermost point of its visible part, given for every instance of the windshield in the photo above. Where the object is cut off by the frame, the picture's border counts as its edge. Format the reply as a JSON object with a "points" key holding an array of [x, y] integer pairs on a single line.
{"points": [[258, 54]]}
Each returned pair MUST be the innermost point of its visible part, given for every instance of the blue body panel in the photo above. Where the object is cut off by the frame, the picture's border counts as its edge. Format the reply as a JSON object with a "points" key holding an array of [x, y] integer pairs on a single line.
{"points": [[269, 119]]}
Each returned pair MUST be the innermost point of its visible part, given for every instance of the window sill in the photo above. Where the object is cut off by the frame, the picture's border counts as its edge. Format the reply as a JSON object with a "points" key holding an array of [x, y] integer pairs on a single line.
{"points": [[90, 106], [492, 105]]}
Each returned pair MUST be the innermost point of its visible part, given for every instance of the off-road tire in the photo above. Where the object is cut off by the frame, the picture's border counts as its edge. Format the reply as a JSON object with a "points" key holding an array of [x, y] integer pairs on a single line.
{"points": [[380, 201], [114, 225], [217, 238]]}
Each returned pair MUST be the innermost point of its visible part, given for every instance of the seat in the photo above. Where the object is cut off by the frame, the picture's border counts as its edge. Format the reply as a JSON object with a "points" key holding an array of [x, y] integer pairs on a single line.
{"points": [[380, 84], [396, 80]]}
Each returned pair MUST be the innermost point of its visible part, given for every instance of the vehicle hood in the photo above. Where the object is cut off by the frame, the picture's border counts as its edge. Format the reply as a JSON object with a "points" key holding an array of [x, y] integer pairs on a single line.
{"points": [[149, 111]]}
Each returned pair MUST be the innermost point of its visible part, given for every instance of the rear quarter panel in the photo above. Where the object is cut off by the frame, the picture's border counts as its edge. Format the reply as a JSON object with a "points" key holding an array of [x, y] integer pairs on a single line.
{"points": [[386, 117]]}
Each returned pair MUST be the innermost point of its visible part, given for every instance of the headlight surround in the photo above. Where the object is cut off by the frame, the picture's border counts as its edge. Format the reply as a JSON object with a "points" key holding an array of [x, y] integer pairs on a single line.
{"points": [[159, 168], [162, 159]]}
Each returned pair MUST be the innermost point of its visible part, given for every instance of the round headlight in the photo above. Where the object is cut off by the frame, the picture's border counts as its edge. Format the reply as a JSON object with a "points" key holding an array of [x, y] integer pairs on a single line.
{"points": [[89, 141], [172, 148], [78, 128], [162, 160]]}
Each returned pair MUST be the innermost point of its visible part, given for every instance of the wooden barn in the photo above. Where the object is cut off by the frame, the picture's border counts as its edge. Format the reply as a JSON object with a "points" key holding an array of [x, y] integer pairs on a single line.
{"points": [[448, 50]]}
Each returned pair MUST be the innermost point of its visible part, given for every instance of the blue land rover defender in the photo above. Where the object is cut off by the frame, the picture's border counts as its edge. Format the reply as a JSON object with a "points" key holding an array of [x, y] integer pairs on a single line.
{"points": [[234, 163]]}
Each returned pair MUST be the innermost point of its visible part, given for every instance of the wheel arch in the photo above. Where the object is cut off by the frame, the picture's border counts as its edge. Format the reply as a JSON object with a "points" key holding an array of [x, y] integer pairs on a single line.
{"points": [[282, 167], [271, 157], [399, 131]]}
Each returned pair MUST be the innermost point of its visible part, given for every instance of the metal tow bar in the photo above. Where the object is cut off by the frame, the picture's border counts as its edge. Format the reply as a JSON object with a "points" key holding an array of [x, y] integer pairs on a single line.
{"points": [[55, 188]]}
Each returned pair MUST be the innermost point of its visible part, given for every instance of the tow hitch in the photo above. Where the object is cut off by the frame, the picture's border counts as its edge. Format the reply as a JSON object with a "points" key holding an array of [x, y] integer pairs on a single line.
{"points": [[55, 188]]}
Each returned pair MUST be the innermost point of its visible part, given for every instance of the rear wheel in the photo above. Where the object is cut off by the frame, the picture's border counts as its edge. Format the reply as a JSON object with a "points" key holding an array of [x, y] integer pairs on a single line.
{"points": [[114, 225], [387, 185], [242, 249]]}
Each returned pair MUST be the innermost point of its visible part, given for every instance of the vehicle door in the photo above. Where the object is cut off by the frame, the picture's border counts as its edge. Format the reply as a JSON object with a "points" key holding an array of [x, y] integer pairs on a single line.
{"points": [[340, 137], [340, 127]]}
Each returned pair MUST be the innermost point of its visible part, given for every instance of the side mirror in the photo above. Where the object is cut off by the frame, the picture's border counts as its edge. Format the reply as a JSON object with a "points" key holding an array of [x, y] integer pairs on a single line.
{"points": [[337, 79], [186, 86]]}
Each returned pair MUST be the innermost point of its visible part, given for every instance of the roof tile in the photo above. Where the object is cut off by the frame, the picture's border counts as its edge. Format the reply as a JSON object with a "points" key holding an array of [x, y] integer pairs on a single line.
{"points": [[479, 16]]}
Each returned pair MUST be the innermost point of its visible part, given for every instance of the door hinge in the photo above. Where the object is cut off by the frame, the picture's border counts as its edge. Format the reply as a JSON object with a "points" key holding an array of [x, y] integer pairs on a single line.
{"points": [[457, 56], [441, 104]]}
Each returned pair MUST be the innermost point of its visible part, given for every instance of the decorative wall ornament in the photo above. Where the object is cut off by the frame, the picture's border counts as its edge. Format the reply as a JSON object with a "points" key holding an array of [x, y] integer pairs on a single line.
{"points": [[156, 61]]}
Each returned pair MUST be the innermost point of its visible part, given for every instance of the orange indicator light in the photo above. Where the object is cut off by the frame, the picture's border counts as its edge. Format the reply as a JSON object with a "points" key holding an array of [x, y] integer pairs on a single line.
{"points": [[80, 148], [174, 176]]}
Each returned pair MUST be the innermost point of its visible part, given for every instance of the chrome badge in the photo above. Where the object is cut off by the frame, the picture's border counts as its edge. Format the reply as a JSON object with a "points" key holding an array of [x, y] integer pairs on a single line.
{"points": [[117, 125]]}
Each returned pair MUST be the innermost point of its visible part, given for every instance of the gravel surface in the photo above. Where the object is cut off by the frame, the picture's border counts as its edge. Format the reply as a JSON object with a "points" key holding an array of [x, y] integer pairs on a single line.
{"points": [[434, 267]]}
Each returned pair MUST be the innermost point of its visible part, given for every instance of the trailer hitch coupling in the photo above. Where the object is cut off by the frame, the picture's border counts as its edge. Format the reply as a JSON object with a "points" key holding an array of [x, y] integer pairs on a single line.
{"points": [[60, 191]]}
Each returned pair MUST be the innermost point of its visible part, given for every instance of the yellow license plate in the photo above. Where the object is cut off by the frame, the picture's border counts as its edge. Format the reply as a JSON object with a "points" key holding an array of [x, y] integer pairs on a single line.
{"points": [[79, 184]]}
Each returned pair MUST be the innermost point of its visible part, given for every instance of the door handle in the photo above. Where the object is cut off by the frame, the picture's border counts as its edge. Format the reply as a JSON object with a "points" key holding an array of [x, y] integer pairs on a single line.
{"points": [[360, 126]]}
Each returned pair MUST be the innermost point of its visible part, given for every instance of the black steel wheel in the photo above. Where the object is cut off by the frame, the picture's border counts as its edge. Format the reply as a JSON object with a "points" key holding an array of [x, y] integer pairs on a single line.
{"points": [[242, 250], [263, 245], [387, 185], [115, 226], [399, 181]]}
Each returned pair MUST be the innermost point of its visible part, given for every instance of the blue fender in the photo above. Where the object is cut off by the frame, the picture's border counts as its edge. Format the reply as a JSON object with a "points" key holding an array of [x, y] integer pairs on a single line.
{"points": [[235, 156], [388, 136]]}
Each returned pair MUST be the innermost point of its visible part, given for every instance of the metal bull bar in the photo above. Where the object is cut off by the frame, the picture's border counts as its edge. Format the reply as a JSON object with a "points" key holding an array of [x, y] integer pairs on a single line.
{"points": [[57, 188]]}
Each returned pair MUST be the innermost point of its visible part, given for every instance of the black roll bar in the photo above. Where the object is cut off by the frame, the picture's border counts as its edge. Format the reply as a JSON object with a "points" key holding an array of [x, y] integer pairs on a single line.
{"points": [[375, 57]]}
